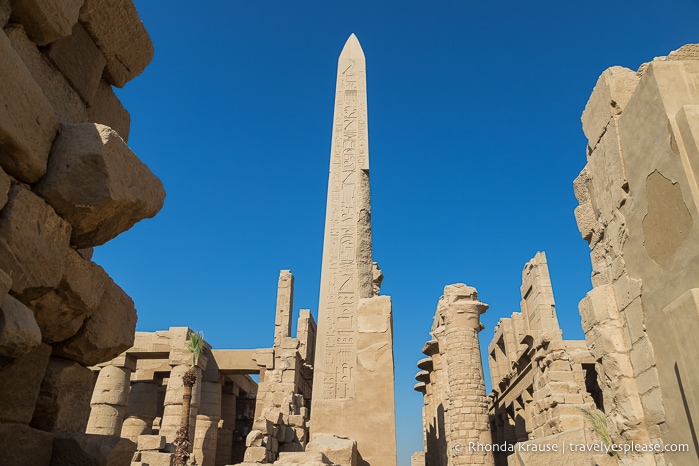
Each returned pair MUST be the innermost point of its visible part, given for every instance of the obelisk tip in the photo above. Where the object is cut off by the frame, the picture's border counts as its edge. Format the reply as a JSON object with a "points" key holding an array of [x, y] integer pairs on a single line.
{"points": [[352, 47]]}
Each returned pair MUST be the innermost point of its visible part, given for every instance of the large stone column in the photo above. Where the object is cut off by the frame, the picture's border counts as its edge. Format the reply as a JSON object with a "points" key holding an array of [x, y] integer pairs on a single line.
{"points": [[141, 411], [467, 413], [110, 397], [346, 278], [206, 432]]}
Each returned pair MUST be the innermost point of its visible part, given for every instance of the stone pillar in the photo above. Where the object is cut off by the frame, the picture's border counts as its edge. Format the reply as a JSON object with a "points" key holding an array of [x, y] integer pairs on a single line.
{"points": [[224, 444], [285, 303], [172, 412], [141, 411], [467, 415], [110, 397], [206, 432]]}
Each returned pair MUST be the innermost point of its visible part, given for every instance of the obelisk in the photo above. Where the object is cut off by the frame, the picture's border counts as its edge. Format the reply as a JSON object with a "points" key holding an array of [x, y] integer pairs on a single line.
{"points": [[353, 383]]}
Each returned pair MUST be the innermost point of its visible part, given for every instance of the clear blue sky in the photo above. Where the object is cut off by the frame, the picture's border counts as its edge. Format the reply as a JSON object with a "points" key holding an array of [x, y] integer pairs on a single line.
{"points": [[475, 138]]}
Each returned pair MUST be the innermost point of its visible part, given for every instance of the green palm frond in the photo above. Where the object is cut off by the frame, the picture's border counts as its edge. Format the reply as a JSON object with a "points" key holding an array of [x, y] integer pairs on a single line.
{"points": [[195, 345], [598, 420]]}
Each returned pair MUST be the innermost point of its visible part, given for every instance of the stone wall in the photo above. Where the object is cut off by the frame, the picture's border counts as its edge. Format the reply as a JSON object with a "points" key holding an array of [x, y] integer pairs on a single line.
{"points": [[540, 381], [68, 182], [639, 196]]}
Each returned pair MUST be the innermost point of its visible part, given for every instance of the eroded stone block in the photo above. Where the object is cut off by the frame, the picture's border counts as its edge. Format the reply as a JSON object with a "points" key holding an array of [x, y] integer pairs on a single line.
{"points": [[107, 333], [61, 312], [19, 333], [27, 122], [46, 20], [80, 61], [63, 405], [64, 100], [121, 37], [23, 446], [105, 108], [98, 184], [91, 449], [20, 383], [33, 241], [340, 451]]}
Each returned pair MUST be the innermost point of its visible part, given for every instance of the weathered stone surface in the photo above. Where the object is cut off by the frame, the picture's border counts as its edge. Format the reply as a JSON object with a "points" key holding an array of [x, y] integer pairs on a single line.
{"points": [[80, 61], [108, 332], [19, 333], [97, 450], [340, 451], [609, 97], [98, 184], [120, 36], [307, 458], [23, 446], [33, 241], [20, 383], [151, 442], [255, 455], [61, 312], [106, 109], [63, 405], [155, 458], [46, 20], [64, 100], [27, 122], [5, 9]]}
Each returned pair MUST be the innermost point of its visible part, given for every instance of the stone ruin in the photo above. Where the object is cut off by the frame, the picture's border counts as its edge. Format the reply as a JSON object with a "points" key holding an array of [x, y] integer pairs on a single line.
{"points": [[639, 213], [68, 182], [77, 387]]}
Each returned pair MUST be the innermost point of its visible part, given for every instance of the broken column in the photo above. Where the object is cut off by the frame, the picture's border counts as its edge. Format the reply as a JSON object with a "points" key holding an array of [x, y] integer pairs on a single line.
{"points": [[465, 386], [110, 398]]}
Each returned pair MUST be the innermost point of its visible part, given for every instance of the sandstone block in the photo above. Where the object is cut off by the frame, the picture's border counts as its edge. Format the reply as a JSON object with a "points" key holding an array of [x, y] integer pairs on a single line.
{"points": [[5, 9], [64, 100], [98, 184], [23, 446], [151, 442], [20, 383], [63, 405], [19, 333], [106, 109], [33, 240], [112, 386], [255, 455], [609, 97], [46, 20], [91, 449], [341, 451], [61, 312], [120, 36], [27, 122], [107, 333], [80, 61], [155, 458]]}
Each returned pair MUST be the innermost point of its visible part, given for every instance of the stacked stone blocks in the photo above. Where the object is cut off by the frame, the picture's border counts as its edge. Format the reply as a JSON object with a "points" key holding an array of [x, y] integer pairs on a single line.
{"points": [[68, 182]]}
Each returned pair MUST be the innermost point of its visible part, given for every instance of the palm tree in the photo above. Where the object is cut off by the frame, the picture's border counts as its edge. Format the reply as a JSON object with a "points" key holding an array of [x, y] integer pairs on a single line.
{"points": [[195, 345]]}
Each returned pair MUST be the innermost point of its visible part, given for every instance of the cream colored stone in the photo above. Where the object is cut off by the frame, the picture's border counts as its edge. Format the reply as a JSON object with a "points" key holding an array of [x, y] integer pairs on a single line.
{"points": [[340, 451], [609, 97], [156, 458], [121, 192]]}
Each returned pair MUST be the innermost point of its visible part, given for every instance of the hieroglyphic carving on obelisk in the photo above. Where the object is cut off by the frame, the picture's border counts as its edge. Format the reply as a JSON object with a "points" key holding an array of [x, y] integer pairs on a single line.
{"points": [[347, 270], [353, 394]]}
